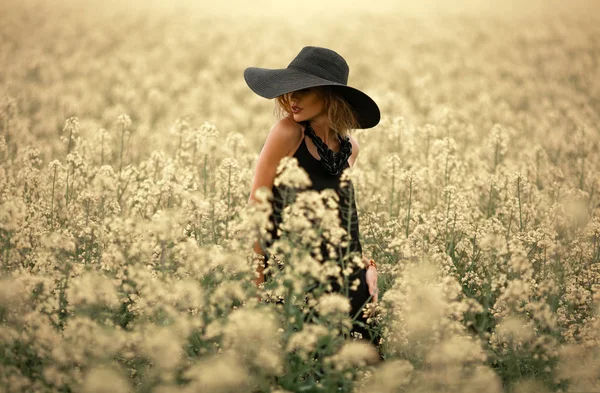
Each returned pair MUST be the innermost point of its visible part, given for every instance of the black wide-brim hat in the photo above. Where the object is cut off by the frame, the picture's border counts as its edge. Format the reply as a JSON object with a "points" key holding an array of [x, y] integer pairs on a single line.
{"points": [[314, 66]]}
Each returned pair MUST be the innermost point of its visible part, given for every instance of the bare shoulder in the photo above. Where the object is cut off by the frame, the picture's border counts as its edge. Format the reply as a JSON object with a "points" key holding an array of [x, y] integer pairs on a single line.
{"points": [[355, 148], [285, 134], [354, 142], [282, 139]]}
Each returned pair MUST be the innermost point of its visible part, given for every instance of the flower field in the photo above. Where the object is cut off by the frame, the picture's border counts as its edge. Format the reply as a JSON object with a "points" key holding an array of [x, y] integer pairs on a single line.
{"points": [[128, 139]]}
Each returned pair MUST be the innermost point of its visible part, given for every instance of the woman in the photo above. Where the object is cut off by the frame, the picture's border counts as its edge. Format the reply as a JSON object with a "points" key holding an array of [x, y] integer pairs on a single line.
{"points": [[320, 109]]}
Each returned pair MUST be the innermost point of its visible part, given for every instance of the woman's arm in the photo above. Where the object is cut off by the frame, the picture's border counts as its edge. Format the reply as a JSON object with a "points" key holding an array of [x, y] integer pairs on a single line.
{"points": [[283, 137]]}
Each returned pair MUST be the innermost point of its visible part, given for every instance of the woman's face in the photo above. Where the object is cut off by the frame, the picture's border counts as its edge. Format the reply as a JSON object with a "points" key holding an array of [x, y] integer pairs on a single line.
{"points": [[307, 104]]}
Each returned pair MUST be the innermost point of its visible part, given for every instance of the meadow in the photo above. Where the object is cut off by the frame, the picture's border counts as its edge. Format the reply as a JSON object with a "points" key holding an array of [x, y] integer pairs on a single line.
{"points": [[128, 139]]}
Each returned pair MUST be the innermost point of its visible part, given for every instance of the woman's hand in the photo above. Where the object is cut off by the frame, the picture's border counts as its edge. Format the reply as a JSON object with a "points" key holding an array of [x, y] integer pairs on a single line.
{"points": [[371, 278]]}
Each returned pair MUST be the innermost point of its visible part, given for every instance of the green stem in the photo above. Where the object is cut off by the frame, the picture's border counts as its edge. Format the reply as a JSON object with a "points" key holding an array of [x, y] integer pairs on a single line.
{"points": [[228, 202], [489, 207], [102, 149], [212, 220], [537, 170], [67, 191], [509, 225], [122, 192], [52, 200], [119, 193], [446, 175], [287, 306], [62, 300], [496, 156], [581, 175], [348, 231], [446, 218], [409, 204], [205, 174], [121, 152], [155, 171], [519, 199], [87, 223], [7, 250], [70, 139], [392, 191]]}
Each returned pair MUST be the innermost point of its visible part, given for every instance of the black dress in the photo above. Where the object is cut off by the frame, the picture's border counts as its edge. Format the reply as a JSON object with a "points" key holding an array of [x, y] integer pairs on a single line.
{"points": [[321, 180]]}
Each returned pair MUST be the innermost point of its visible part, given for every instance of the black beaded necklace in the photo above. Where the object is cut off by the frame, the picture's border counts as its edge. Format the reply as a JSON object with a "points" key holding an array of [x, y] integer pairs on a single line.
{"points": [[333, 162]]}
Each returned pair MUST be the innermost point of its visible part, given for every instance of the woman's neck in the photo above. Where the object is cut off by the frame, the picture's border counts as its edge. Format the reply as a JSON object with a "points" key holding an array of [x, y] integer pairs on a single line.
{"points": [[322, 130]]}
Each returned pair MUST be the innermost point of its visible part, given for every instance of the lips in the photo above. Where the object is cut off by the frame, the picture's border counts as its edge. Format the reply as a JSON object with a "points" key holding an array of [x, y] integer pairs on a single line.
{"points": [[295, 109]]}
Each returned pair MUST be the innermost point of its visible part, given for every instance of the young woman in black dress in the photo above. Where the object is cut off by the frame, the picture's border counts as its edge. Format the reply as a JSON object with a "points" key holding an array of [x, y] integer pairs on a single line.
{"points": [[320, 109]]}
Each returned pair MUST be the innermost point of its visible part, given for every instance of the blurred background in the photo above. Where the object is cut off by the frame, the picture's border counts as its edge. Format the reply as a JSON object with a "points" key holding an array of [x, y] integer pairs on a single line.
{"points": [[162, 60]]}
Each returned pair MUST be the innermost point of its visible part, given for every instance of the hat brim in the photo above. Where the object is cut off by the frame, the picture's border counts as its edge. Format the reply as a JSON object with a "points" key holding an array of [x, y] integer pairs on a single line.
{"points": [[271, 83]]}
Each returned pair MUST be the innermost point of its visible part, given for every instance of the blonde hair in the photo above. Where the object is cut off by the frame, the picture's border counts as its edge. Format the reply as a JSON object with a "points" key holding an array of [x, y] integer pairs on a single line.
{"points": [[340, 114]]}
